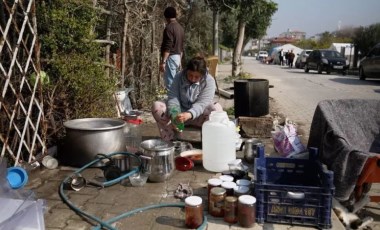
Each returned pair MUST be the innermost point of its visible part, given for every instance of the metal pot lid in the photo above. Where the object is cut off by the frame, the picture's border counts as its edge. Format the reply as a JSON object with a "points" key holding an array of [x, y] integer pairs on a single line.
{"points": [[156, 145]]}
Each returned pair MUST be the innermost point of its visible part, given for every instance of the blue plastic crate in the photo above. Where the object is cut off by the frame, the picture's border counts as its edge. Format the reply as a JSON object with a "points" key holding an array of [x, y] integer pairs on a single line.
{"points": [[293, 191]]}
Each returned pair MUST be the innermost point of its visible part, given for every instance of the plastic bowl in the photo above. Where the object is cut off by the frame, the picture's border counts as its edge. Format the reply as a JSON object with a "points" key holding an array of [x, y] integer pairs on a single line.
{"points": [[183, 163], [17, 177], [138, 179], [194, 154]]}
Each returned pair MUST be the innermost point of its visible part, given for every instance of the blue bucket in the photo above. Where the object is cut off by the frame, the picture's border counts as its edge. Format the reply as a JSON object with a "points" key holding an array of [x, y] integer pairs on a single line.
{"points": [[17, 177]]}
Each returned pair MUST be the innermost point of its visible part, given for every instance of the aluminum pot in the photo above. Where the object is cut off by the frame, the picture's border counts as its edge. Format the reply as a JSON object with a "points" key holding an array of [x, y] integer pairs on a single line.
{"points": [[161, 166], [87, 137]]}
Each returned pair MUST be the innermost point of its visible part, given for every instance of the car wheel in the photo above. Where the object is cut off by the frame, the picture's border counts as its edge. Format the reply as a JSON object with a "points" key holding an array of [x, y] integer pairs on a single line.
{"points": [[361, 74], [306, 68], [319, 69], [344, 73]]}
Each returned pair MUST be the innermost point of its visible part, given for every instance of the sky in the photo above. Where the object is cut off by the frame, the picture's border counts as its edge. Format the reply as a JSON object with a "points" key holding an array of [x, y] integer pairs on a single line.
{"points": [[318, 16]]}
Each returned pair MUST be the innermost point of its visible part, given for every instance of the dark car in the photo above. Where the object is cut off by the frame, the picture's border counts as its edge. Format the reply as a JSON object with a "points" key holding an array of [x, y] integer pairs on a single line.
{"points": [[326, 60], [370, 64]]}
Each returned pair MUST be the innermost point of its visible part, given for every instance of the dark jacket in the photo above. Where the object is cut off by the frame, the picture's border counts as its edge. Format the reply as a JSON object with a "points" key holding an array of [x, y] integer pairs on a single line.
{"points": [[173, 38]]}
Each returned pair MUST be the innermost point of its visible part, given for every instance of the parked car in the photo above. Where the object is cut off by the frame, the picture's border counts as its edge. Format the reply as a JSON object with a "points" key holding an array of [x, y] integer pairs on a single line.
{"points": [[370, 64], [326, 60], [301, 58], [262, 55]]}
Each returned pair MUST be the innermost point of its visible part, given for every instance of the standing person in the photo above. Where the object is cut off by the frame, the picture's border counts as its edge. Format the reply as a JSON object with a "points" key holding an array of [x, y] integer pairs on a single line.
{"points": [[172, 46], [291, 58], [281, 57], [192, 93], [287, 58]]}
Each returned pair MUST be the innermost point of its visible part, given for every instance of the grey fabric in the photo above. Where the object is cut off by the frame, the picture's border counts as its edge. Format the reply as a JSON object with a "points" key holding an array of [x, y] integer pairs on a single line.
{"points": [[195, 100], [346, 132]]}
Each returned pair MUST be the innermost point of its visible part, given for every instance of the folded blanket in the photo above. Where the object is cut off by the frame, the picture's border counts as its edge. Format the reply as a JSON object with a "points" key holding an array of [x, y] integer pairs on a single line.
{"points": [[346, 132]]}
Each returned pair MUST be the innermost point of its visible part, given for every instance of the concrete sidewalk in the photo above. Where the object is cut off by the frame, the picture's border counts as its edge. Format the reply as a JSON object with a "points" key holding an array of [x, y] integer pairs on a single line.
{"points": [[118, 199]]}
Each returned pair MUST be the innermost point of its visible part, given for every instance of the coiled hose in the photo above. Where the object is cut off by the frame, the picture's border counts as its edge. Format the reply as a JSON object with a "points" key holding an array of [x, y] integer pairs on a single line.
{"points": [[107, 224]]}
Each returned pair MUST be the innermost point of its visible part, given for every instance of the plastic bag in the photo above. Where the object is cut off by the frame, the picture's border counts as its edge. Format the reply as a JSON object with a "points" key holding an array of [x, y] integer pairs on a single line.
{"points": [[286, 141]]}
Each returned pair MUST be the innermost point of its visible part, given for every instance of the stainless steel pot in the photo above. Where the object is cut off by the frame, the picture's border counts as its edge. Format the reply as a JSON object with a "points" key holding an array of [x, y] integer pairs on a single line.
{"points": [[161, 166], [87, 137]]}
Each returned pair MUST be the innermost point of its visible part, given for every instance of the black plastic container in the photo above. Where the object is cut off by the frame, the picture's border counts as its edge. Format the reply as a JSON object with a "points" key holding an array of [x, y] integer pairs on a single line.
{"points": [[251, 97]]}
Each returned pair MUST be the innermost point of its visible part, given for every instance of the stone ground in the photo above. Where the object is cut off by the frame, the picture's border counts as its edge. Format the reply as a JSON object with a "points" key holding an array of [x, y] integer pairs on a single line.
{"points": [[115, 200]]}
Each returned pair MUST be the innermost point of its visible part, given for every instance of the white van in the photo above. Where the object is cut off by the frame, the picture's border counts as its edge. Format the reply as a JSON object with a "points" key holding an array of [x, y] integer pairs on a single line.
{"points": [[262, 55]]}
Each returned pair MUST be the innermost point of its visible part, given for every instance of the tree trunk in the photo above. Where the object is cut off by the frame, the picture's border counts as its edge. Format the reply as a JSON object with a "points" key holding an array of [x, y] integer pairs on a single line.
{"points": [[215, 38], [236, 59], [108, 37], [123, 46]]}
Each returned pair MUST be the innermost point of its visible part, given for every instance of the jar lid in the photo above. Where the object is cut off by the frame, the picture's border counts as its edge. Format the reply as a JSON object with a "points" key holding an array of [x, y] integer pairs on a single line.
{"points": [[241, 189], [228, 185], [218, 191], [243, 182], [193, 200], [214, 181], [226, 178], [247, 199], [231, 199]]}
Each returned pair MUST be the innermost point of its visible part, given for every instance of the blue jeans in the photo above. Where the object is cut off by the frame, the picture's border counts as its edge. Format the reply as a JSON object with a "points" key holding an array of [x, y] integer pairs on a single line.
{"points": [[171, 68]]}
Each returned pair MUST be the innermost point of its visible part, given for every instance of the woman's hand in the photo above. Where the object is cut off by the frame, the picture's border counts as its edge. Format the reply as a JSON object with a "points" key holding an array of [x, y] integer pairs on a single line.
{"points": [[183, 117]]}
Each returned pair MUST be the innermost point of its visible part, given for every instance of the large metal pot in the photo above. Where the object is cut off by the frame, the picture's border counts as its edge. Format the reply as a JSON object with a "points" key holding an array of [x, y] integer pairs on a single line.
{"points": [[161, 166], [87, 137]]}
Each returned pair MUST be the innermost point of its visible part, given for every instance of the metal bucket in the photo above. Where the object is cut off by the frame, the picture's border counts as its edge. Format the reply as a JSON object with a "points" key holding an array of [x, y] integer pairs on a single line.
{"points": [[161, 166], [87, 137]]}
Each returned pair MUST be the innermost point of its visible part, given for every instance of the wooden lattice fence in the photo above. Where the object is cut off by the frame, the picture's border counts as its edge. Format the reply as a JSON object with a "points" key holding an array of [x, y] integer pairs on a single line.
{"points": [[21, 106]]}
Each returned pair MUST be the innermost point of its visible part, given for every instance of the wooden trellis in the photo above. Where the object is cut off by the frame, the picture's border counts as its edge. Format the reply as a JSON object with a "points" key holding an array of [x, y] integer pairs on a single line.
{"points": [[21, 106]]}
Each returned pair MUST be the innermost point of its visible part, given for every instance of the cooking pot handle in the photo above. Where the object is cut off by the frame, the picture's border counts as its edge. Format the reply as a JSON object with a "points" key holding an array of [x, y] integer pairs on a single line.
{"points": [[145, 162]]}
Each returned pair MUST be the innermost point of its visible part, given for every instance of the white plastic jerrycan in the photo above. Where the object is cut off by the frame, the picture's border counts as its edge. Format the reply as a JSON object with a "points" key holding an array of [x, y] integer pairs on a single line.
{"points": [[218, 142]]}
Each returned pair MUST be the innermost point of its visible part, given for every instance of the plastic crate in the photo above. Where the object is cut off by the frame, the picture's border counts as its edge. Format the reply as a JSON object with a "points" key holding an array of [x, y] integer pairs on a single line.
{"points": [[293, 191]]}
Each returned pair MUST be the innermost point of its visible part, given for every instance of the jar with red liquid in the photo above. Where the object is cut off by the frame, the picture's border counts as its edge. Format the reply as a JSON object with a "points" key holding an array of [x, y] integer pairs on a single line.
{"points": [[193, 211], [216, 202], [229, 187], [246, 210], [212, 183], [230, 209]]}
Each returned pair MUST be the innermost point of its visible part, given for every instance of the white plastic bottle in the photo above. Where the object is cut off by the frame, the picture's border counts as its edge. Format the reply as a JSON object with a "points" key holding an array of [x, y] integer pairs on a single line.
{"points": [[218, 142]]}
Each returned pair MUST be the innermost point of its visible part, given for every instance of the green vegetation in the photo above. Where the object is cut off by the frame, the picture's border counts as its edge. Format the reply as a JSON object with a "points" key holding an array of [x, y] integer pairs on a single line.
{"points": [[241, 75], [72, 60], [231, 111]]}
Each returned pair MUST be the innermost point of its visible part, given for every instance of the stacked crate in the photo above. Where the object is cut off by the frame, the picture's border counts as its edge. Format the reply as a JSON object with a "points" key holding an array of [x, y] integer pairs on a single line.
{"points": [[293, 191]]}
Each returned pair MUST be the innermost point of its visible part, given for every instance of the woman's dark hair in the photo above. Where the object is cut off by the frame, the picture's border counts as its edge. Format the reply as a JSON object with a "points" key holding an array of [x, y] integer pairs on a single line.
{"points": [[197, 64]]}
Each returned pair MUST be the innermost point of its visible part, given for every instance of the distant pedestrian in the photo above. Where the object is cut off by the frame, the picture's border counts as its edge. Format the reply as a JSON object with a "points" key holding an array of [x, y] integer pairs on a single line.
{"points": [[172, 46], [281, 56], [291, 58], [287, 58]]}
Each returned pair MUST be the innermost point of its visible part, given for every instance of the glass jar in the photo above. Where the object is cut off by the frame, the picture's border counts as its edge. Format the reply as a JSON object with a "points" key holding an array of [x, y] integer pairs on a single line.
{"points": [[193, 211], [246, 210], [226, 178], [243, 182], [241, 190], [132, 134], [229, 187], [216, 202], [212, 183], [230, 209]]}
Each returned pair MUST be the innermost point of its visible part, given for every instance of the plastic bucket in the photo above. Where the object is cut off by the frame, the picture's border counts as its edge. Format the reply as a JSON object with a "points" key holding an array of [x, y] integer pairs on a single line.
{"points": [[17, 177], [251, 97]]}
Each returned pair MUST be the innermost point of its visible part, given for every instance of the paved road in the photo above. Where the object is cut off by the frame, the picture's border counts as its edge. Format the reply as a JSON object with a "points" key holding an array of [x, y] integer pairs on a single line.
{"points": [[297, 93]]}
